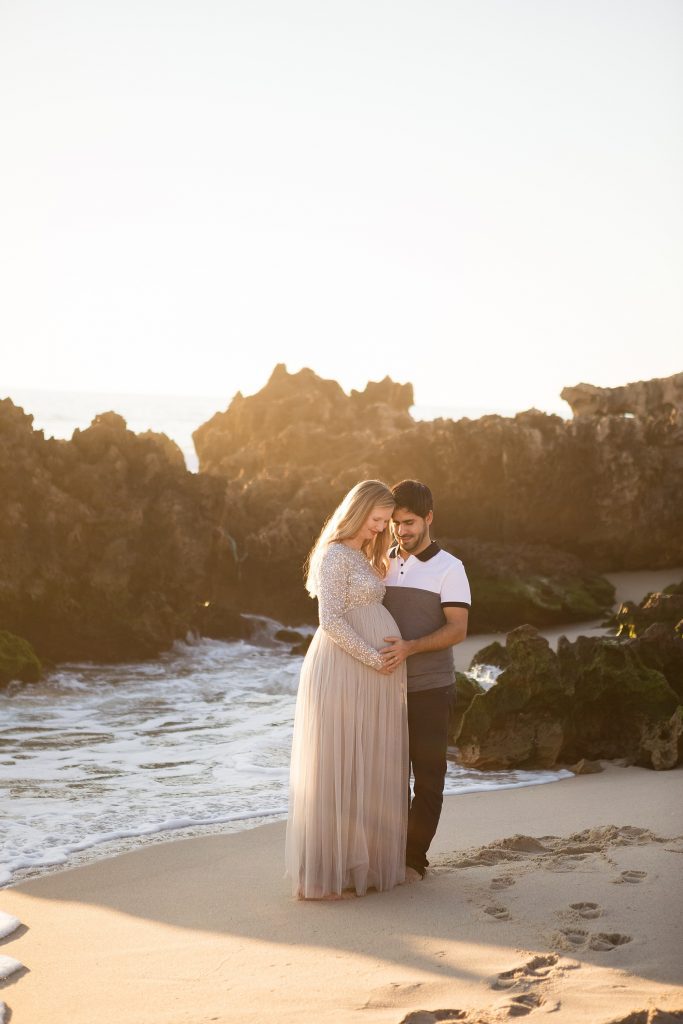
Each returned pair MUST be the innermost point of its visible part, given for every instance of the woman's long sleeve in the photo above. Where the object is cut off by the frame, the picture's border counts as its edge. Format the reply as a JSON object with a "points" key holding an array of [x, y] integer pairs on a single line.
{"points": [[332, 591]]}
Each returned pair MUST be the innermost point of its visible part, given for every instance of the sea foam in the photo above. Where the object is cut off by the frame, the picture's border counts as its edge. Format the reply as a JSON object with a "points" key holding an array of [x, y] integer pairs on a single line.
{"points": [[196, 741]]}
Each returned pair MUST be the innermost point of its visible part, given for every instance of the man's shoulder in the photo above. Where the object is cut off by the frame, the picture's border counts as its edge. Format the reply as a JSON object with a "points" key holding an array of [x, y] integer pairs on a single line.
{"points": [[448, 560]]}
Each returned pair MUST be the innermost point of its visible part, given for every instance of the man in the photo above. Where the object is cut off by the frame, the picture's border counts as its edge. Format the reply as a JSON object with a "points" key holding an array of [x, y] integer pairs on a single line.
{"points": [[428, 595]]}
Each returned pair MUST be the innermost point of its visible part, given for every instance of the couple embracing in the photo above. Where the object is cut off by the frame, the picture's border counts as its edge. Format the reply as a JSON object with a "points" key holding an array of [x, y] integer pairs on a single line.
{"points": [[374, 695]]}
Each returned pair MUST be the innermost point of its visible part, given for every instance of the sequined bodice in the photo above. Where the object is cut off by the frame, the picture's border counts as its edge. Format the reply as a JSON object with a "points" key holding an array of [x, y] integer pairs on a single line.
{"points": [[357, 581], [347, 580]]}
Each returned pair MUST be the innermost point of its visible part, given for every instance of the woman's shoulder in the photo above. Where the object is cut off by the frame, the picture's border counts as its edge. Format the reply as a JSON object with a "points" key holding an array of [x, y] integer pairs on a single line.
{"points": [[338, 553], [337, 550]]}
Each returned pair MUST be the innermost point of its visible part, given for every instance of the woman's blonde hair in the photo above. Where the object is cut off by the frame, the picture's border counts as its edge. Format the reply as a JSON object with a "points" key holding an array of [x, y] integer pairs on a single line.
{"points": [[345, 522]]}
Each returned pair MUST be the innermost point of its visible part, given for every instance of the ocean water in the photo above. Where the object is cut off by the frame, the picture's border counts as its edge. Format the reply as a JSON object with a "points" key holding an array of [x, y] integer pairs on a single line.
{"points": [[96, 759]]}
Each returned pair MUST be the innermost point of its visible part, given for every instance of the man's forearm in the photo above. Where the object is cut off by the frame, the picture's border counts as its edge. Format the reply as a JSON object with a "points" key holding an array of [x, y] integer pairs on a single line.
{"points": [[446, 636]]}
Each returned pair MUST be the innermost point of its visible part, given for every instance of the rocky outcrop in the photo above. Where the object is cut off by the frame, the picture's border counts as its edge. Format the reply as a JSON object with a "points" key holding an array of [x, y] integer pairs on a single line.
{"points": [[599, 697], [110, 549], [287, 455], [659, 398], [301, 425], [661, 649], [603, 488], [519, 721], [466, 689], [665, 606], [108, 545], [528, 583], [622, 707], [18, 660]]}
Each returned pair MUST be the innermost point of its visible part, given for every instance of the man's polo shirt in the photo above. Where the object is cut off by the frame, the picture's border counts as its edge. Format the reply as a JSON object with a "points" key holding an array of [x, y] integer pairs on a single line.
{"points": [[418, 590]]}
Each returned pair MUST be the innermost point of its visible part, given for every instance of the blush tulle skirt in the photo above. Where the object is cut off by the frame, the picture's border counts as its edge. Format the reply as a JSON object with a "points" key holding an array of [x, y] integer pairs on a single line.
{"points": [[348, 792]]}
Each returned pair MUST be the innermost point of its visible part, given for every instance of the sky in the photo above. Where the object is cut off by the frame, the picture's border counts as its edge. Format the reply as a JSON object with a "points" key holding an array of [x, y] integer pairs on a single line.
{"points": [[481, 197]]}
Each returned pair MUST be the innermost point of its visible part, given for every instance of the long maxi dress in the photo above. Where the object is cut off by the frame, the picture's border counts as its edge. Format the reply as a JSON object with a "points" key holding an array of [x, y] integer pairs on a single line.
{"points": [[349, 767]]}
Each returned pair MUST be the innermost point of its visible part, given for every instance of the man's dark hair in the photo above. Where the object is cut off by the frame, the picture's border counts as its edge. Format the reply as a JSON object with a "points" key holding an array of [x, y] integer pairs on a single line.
{"points": [[414, 496]]}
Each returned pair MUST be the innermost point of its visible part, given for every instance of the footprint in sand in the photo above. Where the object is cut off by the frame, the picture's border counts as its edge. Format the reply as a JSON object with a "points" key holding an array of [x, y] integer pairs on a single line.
{"points": [[602, 942], [529, 977], [534, 970], [520, 1006], [434, 1016], [575, 936], [511, 1006], [587, 910], [632, 876], [502, 882], [500, 913]]}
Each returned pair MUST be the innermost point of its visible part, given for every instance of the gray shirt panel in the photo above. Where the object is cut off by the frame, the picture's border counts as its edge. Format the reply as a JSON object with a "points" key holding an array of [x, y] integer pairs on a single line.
{"points": [[417, 613]]}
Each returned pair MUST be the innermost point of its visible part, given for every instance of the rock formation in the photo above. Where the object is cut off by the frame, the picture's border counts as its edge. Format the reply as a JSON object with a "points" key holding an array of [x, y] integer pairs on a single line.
{"points": [[599, 697], [604, 488], [107, 544], [519, 721], [656, 399], [110, 549], [666, 606], [17, 659], [528, 583], [287, 455]]}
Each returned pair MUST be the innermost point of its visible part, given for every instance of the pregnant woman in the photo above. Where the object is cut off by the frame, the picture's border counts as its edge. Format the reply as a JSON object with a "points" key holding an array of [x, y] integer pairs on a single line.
{"points": [[348, 802]]}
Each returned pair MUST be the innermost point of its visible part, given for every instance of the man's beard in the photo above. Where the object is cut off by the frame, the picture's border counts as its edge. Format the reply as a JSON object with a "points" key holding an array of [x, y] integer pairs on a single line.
{"points": [[416, 542]]}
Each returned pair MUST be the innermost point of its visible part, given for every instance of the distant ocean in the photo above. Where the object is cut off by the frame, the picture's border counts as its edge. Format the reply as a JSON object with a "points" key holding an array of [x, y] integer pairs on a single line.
{"points": [[98, 759], [59, 413]]}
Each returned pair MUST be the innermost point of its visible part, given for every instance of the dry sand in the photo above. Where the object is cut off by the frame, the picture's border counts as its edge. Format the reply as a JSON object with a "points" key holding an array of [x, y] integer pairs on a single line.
{"points": [[579, 916]]}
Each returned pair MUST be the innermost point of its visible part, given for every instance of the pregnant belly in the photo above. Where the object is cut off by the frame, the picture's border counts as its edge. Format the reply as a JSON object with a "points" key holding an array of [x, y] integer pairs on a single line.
{"points": [[373, 622]]}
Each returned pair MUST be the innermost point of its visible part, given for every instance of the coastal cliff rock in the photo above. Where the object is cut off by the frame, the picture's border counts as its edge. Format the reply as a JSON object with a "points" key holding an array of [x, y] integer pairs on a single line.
{"points": [[665, 606], [298, 423], [466, 689], [622, 707], [519, 721], [599, 697], [287, 455], [18, 660], [603, 487], [107, 544], [659, 398], [528, 583], [110, 549]]}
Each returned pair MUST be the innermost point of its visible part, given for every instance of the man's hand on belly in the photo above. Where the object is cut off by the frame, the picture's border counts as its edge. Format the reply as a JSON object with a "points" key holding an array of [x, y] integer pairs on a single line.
{"points": [[452, 632], [397, 651]]}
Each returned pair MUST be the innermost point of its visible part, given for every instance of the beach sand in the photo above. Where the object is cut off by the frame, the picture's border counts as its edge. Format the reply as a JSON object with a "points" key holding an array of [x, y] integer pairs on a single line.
{"points": [[587, 927]]}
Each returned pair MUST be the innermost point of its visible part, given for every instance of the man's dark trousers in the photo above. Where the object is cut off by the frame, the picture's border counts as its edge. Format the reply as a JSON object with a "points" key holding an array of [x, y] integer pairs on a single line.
{"points": [[428, 739]]}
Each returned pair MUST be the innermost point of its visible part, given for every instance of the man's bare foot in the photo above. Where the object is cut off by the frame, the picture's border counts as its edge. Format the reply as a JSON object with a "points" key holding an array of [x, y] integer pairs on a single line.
{"points": [[412, 875]]}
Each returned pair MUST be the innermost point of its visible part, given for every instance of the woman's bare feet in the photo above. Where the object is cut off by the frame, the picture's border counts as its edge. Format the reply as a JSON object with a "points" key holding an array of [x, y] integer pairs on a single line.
{"points": [[412, 876], [347, 894]]}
